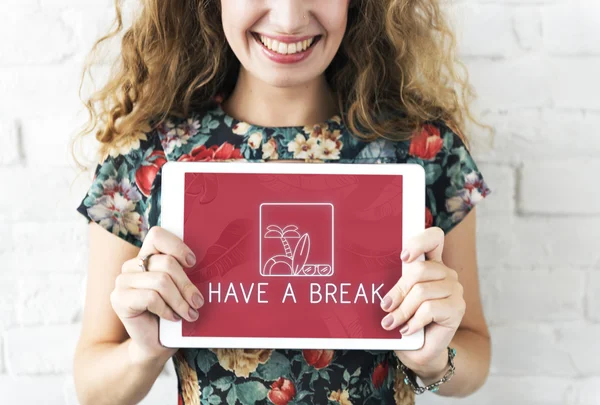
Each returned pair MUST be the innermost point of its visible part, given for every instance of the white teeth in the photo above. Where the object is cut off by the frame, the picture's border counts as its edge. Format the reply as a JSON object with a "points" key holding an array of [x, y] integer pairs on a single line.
{"points": [[284, 48]]}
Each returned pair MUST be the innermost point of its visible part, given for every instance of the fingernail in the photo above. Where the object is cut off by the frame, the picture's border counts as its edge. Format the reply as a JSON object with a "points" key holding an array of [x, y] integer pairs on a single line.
{"points": [[191, 259], [404, 255], [386, 303], [193, 314], [387, 321], [176, 316], [197, 300], [404, 329]]}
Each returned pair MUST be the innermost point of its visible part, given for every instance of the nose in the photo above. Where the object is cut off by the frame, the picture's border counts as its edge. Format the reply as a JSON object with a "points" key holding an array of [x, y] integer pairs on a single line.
{"points": [[289, 17]]}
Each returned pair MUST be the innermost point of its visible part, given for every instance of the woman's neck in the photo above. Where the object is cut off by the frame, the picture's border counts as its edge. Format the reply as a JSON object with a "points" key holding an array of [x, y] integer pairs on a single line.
{"points": [[258, 103]]}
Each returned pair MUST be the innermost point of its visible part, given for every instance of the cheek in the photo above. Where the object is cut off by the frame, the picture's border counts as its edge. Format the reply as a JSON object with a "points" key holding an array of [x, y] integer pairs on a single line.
{"points": [[237, 17], [334, 21]]}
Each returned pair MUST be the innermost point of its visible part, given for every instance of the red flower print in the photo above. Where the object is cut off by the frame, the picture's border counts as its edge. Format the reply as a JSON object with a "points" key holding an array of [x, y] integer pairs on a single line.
{"points": [[145, 175], [282, 391], [427, 143], [227, 151], [318, 358], [215, 152], [428, 218], [379, 374]]}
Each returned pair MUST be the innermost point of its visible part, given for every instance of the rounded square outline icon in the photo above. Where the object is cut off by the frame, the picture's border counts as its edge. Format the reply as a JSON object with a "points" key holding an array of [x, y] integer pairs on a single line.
{"points": [[260, 235]]}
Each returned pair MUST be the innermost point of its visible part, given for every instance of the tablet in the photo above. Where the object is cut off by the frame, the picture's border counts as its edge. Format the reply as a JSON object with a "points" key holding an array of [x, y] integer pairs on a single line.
{"points": [[292, 255]]}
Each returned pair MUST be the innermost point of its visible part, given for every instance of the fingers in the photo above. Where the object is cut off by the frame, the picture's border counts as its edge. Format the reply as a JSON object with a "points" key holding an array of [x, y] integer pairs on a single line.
{"points": [[413, 273], [429, 242], [129, 303], [168, 264], [419, 295], [165, 288], [442, 312], [159, 240]]}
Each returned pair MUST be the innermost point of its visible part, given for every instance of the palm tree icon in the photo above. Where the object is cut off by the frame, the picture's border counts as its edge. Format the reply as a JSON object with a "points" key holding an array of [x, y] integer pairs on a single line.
{"points": [[290, 263]]}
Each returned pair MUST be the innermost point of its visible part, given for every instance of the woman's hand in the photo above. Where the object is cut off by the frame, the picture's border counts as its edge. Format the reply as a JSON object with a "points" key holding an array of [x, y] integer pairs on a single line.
{"points": [[428, 295], [165, 291]]}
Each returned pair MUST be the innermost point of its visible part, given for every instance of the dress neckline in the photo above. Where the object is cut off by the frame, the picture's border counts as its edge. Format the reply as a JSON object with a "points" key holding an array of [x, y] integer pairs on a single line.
{"points": [[334, 121]]}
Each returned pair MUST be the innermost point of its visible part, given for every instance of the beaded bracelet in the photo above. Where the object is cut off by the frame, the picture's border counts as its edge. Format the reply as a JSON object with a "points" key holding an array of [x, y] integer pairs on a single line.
{"points": [[410, 377]]}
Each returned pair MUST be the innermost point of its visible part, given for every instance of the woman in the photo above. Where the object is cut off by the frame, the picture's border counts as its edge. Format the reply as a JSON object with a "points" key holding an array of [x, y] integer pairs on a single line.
{"points": [[287, 80]]}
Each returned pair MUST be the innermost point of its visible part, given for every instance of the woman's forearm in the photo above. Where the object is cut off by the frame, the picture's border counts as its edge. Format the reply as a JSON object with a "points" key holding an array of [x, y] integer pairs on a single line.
{"points": [[105, 374], [472, 362]]}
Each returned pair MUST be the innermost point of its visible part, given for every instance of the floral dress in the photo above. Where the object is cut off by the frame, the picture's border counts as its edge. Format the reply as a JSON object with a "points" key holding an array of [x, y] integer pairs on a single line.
{"points": [[124, 198]]}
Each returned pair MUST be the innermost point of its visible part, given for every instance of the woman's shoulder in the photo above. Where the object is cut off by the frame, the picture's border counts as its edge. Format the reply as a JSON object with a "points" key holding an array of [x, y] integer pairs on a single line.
{"points": [[454, 182], [123, 197]]}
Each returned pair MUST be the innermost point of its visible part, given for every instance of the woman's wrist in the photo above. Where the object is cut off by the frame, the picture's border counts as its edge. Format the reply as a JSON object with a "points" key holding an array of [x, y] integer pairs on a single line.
{"points": [[434, 371], [429, 380]]}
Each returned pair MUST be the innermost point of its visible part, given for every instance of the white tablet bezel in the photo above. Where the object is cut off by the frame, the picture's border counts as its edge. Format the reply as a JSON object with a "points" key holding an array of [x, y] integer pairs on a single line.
{"points": [[172, 204]]}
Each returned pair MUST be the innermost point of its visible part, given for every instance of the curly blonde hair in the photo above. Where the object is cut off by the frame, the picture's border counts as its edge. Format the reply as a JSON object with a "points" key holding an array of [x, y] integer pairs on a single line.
{"points": [[394, 70]]}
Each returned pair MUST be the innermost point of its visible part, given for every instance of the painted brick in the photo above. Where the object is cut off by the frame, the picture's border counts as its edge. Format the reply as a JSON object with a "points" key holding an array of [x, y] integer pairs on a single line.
{"points": [[550, 295], [49, 246], [501, 179], [48, 40], [470, 20], [527, 26], [510, 390], [42, 197], [580, 341], [577, 87], [10, 153], [536, 242], [549, 186], [41, 350], [571, 28], [593, 296], [49, 299], [46, 390], [510, 84]]}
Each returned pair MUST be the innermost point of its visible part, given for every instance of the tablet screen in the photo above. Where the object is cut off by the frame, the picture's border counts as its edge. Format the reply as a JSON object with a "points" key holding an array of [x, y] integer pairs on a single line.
{"points": [[293, 255]]}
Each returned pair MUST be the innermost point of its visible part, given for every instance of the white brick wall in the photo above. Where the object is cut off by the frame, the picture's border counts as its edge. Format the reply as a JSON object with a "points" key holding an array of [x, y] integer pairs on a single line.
{"points": [[534, 65]]}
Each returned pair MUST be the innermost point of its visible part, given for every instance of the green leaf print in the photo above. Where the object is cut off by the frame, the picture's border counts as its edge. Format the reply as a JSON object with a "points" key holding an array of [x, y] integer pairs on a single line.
{"points": [[346, 376], [223, 383], [251, 392], [448, 140], [107, 169], [277, 366], [443, 220], [214, 400], [453, 170], [461, 153], [205, 360], [432, 173], [451, 191], [432, 202], [208, 123], [301, 395], [123, 172], [231, 397], [207, 391]]}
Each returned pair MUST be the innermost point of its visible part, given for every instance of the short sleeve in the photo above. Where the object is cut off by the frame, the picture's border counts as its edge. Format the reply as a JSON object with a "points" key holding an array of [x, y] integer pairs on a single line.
{"points": [[124, 197], [454, 183]]}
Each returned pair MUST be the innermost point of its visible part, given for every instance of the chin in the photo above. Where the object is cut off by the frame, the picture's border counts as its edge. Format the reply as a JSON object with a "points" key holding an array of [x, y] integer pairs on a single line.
{"points": [[282, 79]]}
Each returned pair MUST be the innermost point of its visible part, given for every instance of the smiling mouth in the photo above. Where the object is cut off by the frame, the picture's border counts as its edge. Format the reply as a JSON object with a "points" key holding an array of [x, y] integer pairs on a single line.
{"points": [[284, 48]]}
